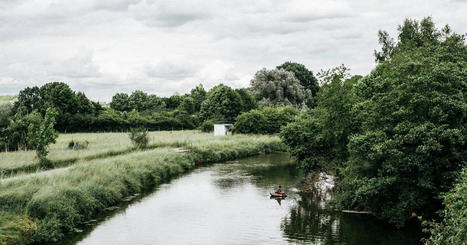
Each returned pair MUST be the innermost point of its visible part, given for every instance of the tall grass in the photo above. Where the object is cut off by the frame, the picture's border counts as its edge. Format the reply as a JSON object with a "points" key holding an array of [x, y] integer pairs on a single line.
{"points": [[101, 145], [50, 207]]}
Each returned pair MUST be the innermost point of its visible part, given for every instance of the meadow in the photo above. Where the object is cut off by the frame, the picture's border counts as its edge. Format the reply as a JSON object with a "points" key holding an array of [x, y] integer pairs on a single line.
{"points": [[101, 145], [45, 208]]}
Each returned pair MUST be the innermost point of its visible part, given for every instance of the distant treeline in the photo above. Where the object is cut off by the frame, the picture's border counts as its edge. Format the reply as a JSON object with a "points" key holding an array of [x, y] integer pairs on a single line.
{"points": [[290, 84]]}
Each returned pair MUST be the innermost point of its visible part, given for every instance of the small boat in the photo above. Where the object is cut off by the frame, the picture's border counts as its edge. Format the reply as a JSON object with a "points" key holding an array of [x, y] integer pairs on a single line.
{"points": [[278, 194]]}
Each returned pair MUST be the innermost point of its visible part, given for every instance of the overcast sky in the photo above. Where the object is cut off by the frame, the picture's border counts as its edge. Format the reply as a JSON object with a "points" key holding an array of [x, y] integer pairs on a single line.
{"points": [[102, 47]]}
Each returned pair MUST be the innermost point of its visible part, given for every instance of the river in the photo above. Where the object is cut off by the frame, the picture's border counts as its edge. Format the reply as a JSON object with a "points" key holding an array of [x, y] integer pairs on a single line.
{"points": [[229, 204]]}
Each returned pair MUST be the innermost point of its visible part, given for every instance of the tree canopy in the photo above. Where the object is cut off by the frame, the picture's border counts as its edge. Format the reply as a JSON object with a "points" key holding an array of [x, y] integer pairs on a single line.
{"points": [[279, 88]]}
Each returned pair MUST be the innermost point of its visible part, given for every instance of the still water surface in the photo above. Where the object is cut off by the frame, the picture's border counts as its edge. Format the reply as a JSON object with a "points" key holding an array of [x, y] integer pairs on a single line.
{"points": [[230, 204]]}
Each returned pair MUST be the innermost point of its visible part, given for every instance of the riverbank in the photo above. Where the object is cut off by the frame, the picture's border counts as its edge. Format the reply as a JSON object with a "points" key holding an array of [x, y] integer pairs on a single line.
{"points": [[43, 209]]}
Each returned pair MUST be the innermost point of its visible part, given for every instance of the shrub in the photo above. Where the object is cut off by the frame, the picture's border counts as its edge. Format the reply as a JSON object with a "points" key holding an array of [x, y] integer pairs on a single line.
{"points": [[453, 228], [139, 137], [207, 126], [78, 145], [267, 120]]}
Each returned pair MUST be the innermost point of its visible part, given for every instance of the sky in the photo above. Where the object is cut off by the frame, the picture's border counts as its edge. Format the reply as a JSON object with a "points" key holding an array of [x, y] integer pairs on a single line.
{"points": [[163, 47]]}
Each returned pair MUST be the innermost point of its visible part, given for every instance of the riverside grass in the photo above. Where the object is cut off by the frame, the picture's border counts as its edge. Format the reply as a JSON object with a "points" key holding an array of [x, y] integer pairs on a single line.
{"points": [[101, 145], [44, 209]]}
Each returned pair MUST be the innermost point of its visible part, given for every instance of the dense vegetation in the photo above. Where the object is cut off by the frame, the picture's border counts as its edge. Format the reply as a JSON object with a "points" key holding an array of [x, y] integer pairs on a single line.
{"points": [[397, 135], [267, 120]]}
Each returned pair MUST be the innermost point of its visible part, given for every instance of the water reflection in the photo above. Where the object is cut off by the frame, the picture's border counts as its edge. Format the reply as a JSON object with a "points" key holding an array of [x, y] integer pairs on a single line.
{"points": [[230, 204]]}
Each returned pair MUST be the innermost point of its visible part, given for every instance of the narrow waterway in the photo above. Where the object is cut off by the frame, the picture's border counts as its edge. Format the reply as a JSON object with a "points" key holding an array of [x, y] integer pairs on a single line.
{"points": [[230, 204]]}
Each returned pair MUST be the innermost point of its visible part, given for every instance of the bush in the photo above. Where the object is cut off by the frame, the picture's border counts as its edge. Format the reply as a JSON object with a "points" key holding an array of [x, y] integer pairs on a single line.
{"points": [[78, 145], [139, 137], [267, 120], [207, 126], [453, 229]]}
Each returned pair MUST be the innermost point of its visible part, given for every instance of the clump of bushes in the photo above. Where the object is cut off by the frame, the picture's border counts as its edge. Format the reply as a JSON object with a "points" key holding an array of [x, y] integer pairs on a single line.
{"points": [[78, 145], [139, 137], [207, 126], [453, 229], [267, 120]]}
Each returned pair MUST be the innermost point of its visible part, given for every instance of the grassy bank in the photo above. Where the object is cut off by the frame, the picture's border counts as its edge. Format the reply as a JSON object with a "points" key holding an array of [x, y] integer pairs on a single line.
{"points": [[101, 145], [42, 209]]}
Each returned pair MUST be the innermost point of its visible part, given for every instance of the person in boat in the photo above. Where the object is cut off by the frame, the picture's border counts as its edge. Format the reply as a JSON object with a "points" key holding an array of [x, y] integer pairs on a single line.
{"points": [[279, 191]]}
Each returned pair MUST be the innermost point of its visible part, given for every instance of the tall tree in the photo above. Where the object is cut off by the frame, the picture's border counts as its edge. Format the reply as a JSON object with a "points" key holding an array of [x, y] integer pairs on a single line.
{"points": [[248, 101], [199, 95], [412, 139], [120, 102], [222, 102], [305, 76], [278, 88], [41, 134], [29, 99]]}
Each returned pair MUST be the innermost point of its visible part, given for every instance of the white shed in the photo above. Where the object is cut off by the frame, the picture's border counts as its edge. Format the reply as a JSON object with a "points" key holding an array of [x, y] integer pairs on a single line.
{"points": [[222, 129]]}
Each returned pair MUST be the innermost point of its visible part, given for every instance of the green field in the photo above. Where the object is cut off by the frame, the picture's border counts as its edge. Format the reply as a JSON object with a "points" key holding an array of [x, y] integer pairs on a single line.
{"points": [[101, 145], [45, 208]]}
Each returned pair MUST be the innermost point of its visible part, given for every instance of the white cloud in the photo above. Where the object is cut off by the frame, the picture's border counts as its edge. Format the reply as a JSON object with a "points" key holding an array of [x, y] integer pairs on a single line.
{"points": [[165, 46]]}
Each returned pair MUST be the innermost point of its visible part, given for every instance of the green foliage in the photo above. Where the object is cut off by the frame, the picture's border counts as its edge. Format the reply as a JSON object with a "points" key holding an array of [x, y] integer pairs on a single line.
{"points": [[279, 88], [42, 133], [305, 76], [78, 145], [267, 120], [318, 138], [248, 101], [139, 137], [221, 102], [411, 144], [207, 126], [120, 102], [199, 95], [453, 229]]}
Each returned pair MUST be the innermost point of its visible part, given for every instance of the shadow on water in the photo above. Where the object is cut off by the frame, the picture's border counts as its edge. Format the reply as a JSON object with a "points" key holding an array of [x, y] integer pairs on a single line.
{"points": [[308, 222]]}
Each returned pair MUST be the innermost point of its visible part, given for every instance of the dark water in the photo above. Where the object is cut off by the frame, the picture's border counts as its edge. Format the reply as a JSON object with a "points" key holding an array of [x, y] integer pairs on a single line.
{"points": [[230, 204]]}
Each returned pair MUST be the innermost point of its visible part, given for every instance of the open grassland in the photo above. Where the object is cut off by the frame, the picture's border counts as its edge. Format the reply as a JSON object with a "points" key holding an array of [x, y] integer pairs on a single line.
{"points": [[101, 145], [42, 209]]}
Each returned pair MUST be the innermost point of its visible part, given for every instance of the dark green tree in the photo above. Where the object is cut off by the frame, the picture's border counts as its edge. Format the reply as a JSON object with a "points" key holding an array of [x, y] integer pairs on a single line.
{"points": [[222, 102], [199, 95], [411, 145], [305, 76], [248, 101], [59, 96], [29, 99], [138, 100], [120, 102]]}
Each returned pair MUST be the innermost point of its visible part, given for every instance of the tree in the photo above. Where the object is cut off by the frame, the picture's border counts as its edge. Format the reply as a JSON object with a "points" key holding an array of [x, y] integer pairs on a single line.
{"points": [[29, 99], [139, 137], [411, 144], [278, 88], [84, 105], [199, 95], [222, 102], [59, 96], [120, 102], [319, 137], [266, 120], [248, 102], [41, 134], [305, 76], [138, 100]]}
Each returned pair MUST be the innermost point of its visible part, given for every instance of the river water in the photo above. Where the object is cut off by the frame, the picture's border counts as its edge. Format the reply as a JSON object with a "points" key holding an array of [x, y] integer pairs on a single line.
{"points": [[230, 204]]}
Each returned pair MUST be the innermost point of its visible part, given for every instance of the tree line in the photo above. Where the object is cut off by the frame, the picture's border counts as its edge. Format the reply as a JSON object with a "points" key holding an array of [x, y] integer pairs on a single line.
{"points": [[290, 84]]}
